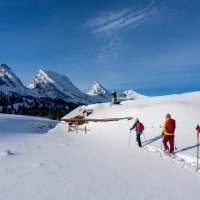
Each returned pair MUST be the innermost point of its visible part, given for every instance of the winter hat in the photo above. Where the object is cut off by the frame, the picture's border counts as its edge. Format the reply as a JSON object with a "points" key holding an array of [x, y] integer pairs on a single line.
{"points": [[168, 116]]}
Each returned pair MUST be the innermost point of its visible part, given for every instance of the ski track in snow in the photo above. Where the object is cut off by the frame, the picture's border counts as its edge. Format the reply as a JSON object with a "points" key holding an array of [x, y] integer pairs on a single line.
{"points": [[181, 159]]}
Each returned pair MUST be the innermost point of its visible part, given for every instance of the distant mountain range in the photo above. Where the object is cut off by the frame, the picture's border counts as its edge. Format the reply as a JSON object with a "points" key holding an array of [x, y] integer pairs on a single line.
{"points": [[96, 89], [56, 86], [49, 94], [129, 95]]}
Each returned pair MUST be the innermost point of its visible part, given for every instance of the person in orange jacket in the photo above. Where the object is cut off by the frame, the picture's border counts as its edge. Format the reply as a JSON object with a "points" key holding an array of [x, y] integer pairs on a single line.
{"points": [[168, 132]]}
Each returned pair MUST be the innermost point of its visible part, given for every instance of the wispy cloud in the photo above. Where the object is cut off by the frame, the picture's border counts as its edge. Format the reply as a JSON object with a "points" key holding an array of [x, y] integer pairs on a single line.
{"points": [[109, 50], [108, 23]]}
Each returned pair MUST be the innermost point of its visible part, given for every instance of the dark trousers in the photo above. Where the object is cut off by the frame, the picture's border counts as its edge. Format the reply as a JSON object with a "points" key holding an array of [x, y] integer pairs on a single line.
{"points": [[138, 140], [168, 140]]}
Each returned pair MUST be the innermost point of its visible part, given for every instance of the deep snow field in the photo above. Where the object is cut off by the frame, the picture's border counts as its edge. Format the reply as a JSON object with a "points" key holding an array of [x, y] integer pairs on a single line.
{"points": [[41, 160]]}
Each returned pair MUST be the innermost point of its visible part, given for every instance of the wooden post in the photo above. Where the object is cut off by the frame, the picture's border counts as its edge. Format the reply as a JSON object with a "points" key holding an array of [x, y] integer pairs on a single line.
{"points": [[129, 139], [114, 98], [198, 133], [68, 128], [197, 151], [85, 129]]}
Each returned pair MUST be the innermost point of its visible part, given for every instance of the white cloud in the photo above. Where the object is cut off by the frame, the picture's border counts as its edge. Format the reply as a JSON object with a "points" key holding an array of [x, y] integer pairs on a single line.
{"points": [[108, 23]]}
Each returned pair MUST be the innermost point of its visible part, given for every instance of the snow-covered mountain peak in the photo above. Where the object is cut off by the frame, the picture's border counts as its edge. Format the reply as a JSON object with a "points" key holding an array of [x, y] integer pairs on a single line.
{"points": [[44, 75], [4, 66], [6, 71], [9, 81], [96, 89], [55, 85], [41, 78]]}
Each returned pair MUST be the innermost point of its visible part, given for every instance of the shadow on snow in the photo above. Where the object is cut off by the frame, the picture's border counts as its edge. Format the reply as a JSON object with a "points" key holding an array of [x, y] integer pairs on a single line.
{"points": [[147, 142], [188, 148]]}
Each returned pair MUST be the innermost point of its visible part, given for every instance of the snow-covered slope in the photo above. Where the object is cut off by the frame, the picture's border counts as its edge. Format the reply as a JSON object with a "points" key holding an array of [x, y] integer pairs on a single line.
{"points": [[96, 89], [9, 82], [185, 108], [55, 85], [41, 162]]}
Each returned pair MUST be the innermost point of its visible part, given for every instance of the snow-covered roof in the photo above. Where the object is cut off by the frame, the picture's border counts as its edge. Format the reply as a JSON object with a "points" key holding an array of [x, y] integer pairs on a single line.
{"points": [[76, 112]]}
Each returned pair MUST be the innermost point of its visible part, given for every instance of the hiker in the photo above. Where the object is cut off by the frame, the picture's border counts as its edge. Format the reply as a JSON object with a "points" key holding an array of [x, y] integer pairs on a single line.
{"points": [[168, 133], [139, 128]]}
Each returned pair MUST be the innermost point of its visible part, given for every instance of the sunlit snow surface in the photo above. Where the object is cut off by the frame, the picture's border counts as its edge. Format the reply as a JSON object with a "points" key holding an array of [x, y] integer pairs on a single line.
{"points": [[40, 160]]}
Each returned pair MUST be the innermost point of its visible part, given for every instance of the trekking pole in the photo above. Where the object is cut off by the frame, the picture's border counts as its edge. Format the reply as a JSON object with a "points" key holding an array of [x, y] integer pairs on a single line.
{"points": [[161, 146], [198, 151], [129, 139], [175, 147], [144, 136]]}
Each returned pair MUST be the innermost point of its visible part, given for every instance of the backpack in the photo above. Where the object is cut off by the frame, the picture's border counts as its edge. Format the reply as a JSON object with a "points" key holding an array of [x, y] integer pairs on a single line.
{"points": [[170, 125], [139, 126]]}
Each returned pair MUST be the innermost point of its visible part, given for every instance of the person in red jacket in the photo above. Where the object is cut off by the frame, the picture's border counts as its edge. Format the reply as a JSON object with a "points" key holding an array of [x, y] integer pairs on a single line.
{"points": [[168, 132], [139, 128]]}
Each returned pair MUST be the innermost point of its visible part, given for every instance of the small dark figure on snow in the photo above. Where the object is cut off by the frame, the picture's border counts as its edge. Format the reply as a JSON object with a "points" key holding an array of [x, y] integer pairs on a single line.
{"points": [[139, 128], [198, 128], [168, 132]]}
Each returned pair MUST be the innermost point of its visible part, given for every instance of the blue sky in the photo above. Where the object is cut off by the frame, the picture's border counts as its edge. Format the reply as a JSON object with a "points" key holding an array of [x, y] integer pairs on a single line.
{"points": [[151, 46]]}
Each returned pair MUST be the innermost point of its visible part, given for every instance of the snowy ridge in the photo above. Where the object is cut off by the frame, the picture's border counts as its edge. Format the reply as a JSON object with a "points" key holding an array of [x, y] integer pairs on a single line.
{"points": [[41, 77], [9, 82], [54, 85]]}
